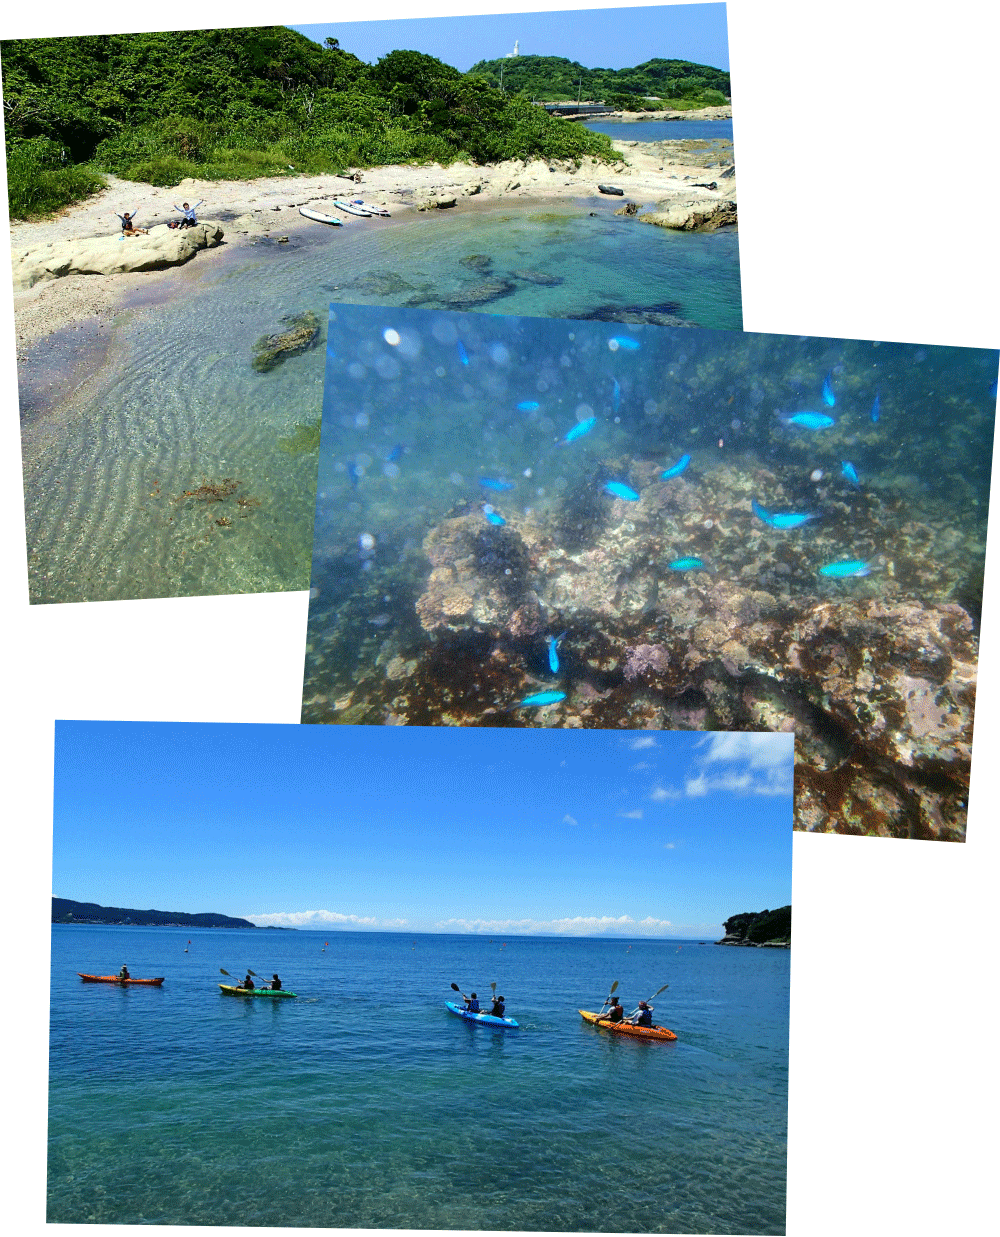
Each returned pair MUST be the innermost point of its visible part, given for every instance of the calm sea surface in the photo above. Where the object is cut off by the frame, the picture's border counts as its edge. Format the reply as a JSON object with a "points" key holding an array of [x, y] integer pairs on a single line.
{"points": [[163, 465], [364, 1103], [664, 130]]}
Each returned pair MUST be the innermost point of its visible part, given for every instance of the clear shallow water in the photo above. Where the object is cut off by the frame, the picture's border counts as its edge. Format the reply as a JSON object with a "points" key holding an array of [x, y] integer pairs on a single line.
{"points": [[177, 404], [363, 1103], [664, 130]]}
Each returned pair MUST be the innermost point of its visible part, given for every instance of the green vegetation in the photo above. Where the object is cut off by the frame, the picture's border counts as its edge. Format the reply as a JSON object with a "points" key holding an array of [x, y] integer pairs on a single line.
{"points": [[756, 927], [65, 910], [676, 84], [237, 104], [305, 439]]}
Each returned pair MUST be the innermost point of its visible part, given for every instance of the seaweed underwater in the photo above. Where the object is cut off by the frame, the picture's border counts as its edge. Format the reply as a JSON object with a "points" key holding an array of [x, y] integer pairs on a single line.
{"points": [[702, 553]]}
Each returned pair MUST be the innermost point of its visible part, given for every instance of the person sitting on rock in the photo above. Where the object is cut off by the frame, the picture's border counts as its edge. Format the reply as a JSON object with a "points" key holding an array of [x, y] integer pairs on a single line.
{"points": [[190, 218], [128, 224]]}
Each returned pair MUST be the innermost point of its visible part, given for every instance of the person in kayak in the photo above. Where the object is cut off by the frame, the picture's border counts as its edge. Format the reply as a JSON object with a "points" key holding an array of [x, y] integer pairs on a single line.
{"points": [[123, 973], [248, 983], [472, 1004], [644, 1015], [499, 1007], [615, 1013], [275, 984]]}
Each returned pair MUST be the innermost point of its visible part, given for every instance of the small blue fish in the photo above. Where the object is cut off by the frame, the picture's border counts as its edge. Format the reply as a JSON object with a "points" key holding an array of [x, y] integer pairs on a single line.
{"points": [[846, 569], [396, 453], [355, 472], [553, 643], [494, 517], [528, 405], [496, 483], [463, 356], [687, 564], [993, 390], [848, 471], [784, 519], [808, 420], [828, 396], [578, 430], [540, 698], [677, 468], [616, 394], [620, 490], [623, 341], [875, 409]]}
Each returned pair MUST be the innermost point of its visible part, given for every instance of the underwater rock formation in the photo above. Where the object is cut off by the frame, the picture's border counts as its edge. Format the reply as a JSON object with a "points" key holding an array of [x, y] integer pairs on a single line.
{"points": [[271, 350]]}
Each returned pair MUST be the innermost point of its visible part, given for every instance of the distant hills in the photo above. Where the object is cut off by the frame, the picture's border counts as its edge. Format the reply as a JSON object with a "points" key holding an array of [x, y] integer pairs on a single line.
{"points": [[65, 910], [555, 79], [772, 928]]}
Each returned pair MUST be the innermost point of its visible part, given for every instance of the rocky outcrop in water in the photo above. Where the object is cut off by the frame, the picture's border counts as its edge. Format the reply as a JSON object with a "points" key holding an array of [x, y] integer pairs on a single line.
{"points": [[760, 929], [112, 255], [271, 350], [696, 215]]}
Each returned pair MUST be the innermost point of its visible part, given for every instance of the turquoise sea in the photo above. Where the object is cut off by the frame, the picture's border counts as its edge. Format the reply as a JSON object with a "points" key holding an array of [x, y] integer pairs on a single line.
{"points": [[158, 463], [363, 1103], [664, 130]]}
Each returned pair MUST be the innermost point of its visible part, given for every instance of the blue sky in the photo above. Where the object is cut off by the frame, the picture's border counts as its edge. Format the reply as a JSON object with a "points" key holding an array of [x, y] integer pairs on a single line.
{"points": [[467, 830], [596, 38]]}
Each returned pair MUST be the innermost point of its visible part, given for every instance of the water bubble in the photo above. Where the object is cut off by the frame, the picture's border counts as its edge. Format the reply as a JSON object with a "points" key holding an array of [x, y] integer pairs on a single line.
{"points": [[390, 470], [313, 594], [565, 362], [361, 421], [410, 345], [526, 473], [709, 524], [390, 336], [736, 423], [366, 565], [571, 335], [649, 407], [356, 370], [444, 330], [440, 371], [612, 345], [388, 368], [456, 478], [682, 358], [816, 474], [363, 459], [499, 354], [584, 412], [618, 420], [560, 483], [367, 542]]}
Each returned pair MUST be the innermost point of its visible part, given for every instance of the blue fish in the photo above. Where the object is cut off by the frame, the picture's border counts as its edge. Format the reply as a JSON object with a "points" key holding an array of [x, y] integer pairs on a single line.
{"points": [[846, 569], [616, 394], [396, 453], [355, 472], [463, 356], [808, 420], [620, 490], [528, 405], [624, 341], [828, 396], [553, 643], [848, 471], [785, 519], [578, 430], [875, 410], [494, 517], [539, 698], [993, 390], [677, 468], [687, 564], [496, 483]]}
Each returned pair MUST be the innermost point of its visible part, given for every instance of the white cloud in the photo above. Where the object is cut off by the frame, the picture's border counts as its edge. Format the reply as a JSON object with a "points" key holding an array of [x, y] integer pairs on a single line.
{"points": [[635, 814], [637, 745], [643, 764], [759, 751], [568, 820], [659, 793], [578, 925], [669, 845], [321, 919], [760, 764]]}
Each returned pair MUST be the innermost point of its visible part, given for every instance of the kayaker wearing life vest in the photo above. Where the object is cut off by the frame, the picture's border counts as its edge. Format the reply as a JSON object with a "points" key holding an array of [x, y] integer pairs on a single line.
{"points": [[498, 1007], [123, 973], [615, 1013], [644, 1018], [248, 983], [472, 1004], [275, 984]]}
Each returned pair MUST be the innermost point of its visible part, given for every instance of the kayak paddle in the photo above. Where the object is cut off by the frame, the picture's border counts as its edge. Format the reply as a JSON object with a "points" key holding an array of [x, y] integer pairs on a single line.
{"points": [[655, 994], [614, 987]]}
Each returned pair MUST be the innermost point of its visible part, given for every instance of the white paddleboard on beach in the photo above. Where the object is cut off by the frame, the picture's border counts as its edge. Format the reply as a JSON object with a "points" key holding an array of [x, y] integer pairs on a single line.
{"points": [[320, 218]]}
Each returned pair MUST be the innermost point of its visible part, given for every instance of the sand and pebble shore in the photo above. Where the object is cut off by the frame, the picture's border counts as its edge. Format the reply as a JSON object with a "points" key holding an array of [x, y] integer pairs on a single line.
{"points": [[660, 176]]}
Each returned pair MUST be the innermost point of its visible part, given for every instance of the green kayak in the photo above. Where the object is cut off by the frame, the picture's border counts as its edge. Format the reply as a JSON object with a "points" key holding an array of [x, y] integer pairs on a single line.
{"points": [[233, 990]]}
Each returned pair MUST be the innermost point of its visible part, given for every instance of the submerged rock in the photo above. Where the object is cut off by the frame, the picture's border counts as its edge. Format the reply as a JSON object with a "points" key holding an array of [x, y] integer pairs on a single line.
{"points": [[546, 281], [479, 293], [112, 255], [271, 350]]}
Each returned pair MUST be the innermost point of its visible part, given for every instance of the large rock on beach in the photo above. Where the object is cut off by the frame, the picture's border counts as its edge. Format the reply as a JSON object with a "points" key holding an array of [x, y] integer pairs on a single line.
{"points": [[112, 255], [699, 215]]}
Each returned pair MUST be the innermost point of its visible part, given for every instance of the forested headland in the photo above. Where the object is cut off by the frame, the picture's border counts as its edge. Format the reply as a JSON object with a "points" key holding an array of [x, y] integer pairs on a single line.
{"points": [[759, 928], [239, 104], [65, 910], [654, 85]]}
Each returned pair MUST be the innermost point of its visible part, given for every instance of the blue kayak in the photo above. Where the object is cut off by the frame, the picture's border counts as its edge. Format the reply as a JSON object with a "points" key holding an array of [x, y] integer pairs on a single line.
{"points": [[487, 1018]]}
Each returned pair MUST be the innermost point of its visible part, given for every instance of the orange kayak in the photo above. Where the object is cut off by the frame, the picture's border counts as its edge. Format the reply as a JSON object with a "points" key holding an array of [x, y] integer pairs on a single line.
{"points": [[113, 979], [626, 1028]]}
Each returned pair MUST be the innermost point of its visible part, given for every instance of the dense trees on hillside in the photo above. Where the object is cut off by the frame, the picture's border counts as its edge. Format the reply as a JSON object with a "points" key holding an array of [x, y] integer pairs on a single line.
{"points": [[555, 79]]}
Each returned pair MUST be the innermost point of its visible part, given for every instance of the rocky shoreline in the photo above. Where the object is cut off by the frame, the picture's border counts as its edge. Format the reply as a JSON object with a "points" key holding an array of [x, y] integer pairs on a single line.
{"points": [[759, 930]]}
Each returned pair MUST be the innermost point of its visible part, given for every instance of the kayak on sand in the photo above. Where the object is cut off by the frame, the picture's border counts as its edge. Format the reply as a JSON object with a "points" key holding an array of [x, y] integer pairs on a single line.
{"points": [[626, 1028], [233, 990], [487, 1018], [116, 979]]}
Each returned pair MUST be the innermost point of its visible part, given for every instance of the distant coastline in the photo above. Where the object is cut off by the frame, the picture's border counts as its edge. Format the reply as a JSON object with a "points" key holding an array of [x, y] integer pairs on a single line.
{"points": [[66, 911]]}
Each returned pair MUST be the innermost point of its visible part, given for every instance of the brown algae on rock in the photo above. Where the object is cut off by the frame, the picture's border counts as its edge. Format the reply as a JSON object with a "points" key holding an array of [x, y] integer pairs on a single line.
{"points": [[271, 350]]}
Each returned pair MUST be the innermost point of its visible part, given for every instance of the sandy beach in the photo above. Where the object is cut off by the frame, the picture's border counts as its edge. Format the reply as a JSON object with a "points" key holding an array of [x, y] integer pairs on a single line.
{"points": [[651, 174]]}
